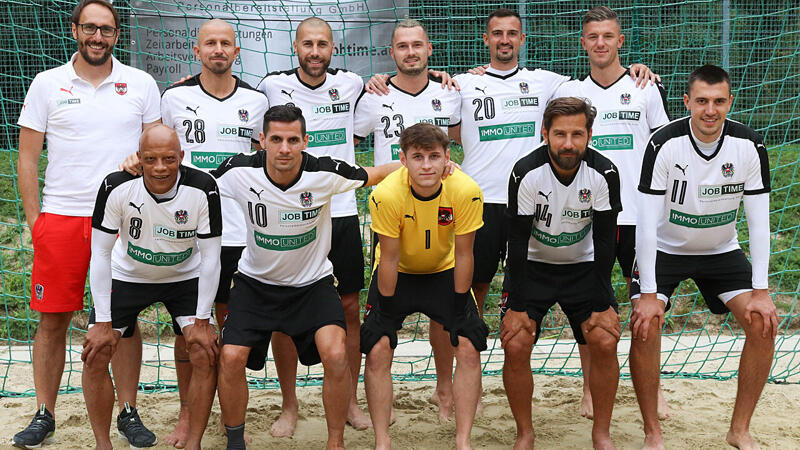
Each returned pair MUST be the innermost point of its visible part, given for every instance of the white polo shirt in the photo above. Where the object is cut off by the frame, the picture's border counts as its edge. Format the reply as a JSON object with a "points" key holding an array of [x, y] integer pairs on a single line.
{"points": [[89, 131]]}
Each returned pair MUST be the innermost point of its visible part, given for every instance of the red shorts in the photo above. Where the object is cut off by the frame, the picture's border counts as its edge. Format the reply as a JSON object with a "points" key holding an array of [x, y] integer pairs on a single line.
{"points": [[61, 253]]}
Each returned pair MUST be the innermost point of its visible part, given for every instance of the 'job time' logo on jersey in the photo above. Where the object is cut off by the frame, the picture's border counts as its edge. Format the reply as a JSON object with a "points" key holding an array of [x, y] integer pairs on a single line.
{"points": [[68, 101], [438, 121], [330, 108], [718, 190], [576, 214], [327, 137], [702, 221], [299, 216], [613, 142], [234, 131], [613, 116], [284, 243], [160, 231], [209, 160], [513, 103], [507, 131]]}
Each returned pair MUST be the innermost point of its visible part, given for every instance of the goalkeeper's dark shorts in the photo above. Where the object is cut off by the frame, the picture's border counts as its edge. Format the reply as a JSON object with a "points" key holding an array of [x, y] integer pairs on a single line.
{"points": [[429, 294]]}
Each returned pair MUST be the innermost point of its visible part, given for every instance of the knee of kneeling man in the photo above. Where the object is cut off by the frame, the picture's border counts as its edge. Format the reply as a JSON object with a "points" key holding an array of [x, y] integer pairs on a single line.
{"points": [[334, 356], [520, 346], [601, 340]]}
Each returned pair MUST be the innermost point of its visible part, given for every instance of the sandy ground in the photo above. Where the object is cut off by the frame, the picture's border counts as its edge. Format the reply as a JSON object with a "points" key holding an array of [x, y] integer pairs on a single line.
{"points": [[701, 411]]}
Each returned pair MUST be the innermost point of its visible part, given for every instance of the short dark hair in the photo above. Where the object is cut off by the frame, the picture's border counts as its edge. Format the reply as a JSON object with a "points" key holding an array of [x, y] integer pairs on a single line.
{"points": [[502, 12], [284, 114], [600, 14], [710, 74], [424, 136], [76, 13], [568, 106]]}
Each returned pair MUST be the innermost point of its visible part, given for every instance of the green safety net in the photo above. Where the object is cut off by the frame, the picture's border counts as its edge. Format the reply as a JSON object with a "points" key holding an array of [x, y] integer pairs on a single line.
{"points": [[757, 42]]}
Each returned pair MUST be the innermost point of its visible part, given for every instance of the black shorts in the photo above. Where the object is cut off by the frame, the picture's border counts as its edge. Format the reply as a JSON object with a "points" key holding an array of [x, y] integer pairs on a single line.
{"points": [[429, 294], [129, 299], [347, 254], [229, 260], [573, 286], [256, 309], [713, 274], [490, 243], [626, 248]]}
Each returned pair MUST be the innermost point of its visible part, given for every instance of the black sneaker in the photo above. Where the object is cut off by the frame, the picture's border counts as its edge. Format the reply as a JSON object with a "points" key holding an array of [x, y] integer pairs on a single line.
{"points": [[131, 428], [39, 432]]}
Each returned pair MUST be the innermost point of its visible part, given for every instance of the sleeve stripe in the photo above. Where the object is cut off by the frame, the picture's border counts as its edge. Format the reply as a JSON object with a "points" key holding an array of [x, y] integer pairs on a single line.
{"points": [[647, 190], [765, 190], [107, 230]]}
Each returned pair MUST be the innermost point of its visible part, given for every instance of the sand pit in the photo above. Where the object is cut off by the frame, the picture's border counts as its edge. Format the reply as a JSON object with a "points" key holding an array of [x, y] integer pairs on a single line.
{"points": [[701, 410]]}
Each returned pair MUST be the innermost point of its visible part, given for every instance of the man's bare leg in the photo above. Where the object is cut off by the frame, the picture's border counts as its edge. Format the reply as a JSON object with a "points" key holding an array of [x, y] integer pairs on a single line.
{"points": [[285, 355], [98, 393], [183, 369], [202, 385], [518, 382], [126, 363], [49, 350], [585, 407], [443, 357], [232, 384], [355, 416], [467, 384], [754, 367], [645, 370], [603, 381], [336, 383], [378, 384]]}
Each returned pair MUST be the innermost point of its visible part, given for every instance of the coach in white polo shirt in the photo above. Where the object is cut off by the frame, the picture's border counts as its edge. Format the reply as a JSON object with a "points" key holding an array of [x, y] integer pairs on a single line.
{"points": [[91, 111]]}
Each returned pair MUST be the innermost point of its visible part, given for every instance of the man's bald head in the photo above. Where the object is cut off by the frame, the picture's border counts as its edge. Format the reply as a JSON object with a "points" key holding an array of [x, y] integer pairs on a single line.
{"points": [[214, 26], [159, 137], [313, 23]]}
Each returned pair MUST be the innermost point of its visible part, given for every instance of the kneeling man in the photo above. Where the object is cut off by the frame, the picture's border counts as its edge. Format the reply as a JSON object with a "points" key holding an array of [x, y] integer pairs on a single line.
{"points": [[169, 226], [563, 201], [425, 228]]}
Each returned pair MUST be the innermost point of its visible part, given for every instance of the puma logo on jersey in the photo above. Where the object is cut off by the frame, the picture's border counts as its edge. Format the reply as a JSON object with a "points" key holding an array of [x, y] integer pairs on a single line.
{"points": [[375, 202], [546, 196], [609, 171], [337, 166], [483, 90], [68, 91], [106, 186], [516, 177], [138, 208], [193, 110], [258, 194], [288, 94], [475, 199], [408, 216], [682, 169], [389, 106]]}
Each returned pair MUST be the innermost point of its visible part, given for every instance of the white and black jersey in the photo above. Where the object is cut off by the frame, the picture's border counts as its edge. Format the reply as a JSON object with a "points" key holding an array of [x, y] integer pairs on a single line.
{"points": [[626, 116], [328, 110], [211, 129], [388, 115], [288, 227], [501, 119], [702, 193], [157, 237], [562, 215]]}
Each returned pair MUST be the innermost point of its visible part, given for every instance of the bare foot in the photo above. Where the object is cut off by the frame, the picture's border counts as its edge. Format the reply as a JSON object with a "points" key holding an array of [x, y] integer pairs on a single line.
{"points": [[221, 428], [445, 406], [603, 443], [357, 419], [653, 443], [479, 408], [663, 408], [525, 441], [179, 435], [741, 441], [586, 409], [284, 426], [392, 417]]}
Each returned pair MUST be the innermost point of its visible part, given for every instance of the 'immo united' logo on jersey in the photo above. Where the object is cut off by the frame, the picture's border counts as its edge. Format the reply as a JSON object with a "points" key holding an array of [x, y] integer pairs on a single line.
{"points": [[702, 221], [284, 243], [507, 131], [327, 137], [146, 256], [613, 142], [561, 240], [209, 160]]}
